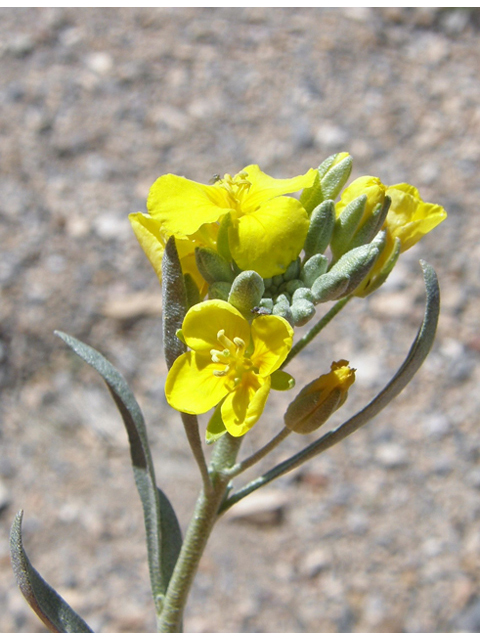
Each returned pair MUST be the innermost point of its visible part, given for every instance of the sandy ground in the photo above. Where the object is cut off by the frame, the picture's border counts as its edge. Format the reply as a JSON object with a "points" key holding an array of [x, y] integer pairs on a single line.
{"points": [[379, 534]]}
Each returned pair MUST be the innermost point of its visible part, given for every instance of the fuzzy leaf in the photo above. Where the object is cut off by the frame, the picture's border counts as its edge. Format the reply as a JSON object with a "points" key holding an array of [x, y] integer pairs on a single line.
{"points": [[162, 548], [49, 606]]}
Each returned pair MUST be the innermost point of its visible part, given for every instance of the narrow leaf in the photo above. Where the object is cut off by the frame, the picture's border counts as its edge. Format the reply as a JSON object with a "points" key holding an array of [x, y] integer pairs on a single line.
{"points": [[415, 358], [175, 303], [157, 511], [49, 606], [171, 542]]}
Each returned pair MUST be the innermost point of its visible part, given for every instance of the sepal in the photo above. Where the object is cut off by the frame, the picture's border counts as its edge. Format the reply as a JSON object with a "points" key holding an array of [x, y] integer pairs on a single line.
{"points": [[213, 267], [322, 223]]}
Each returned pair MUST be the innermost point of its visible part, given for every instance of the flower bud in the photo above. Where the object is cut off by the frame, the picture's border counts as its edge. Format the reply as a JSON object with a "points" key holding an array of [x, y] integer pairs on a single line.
{"points": [[292, 286], [282, 308], [358, 203], [212, 267], [369, 229], [302, 311], [345, 276], [246, 292], [336, 175], [322, 222], [318, 400], [313, 268], [332, 175]]}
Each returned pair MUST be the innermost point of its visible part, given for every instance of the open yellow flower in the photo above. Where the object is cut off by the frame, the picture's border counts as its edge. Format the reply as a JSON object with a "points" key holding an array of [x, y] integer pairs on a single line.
{"points": [[267, 229], [229, 361], [409, 218]]}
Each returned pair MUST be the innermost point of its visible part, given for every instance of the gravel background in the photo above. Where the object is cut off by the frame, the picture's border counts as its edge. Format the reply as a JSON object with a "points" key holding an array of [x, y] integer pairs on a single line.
{"points": [[380, 534]]}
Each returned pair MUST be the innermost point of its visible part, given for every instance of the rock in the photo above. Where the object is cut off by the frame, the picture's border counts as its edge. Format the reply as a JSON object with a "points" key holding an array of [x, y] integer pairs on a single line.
{"points": [[436, 425], [263, 508], [314, 563], [331, 137], [391, 455]]}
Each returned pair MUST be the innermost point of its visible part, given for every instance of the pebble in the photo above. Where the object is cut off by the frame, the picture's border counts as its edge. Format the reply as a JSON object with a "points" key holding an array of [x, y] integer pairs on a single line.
{"points": [[260, 508], [392, 455], [314, 563]]}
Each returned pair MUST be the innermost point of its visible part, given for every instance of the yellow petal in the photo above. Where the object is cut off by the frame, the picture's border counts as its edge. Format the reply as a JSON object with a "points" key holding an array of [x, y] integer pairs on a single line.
{"points": [[204, 320], [191, 385], [182, 206], [272, 339], [151, 240], [409, 217], [243, 407], [268, 239], [265, 187]]}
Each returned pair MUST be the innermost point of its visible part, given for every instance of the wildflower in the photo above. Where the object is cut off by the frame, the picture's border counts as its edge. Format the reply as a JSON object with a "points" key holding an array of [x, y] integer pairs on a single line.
{"points": [[409, 218], [318, 400], [229, 362], [267, 228], [153, 239]]}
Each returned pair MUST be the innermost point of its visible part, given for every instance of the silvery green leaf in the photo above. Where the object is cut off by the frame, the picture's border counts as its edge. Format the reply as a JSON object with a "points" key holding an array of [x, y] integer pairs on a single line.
{"points": [[49, 606], [163, 542]]}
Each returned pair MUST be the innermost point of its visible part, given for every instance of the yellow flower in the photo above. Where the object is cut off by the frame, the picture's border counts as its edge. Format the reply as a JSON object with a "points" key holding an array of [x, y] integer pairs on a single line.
{"points": [[153, 240], [318, 400], [229, 361], [267, 229], [409, 218]]}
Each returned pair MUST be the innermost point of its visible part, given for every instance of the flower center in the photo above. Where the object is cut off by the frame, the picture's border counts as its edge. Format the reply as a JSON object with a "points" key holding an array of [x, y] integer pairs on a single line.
{"points": [[236, 188], [231, 357]]}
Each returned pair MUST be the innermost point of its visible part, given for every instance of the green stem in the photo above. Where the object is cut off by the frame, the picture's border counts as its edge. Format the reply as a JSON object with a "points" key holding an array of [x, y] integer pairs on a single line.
{"points": [[196, 538], [258, 455], [315, 330], [190, 422]]}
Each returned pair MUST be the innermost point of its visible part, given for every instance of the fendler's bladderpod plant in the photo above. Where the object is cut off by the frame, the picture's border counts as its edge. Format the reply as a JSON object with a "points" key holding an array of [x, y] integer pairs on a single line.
{"points": [[242, 263]]}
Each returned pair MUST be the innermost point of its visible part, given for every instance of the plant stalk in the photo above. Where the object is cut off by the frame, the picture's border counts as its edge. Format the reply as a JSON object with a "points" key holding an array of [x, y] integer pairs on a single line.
{"points": [[196, 538]]}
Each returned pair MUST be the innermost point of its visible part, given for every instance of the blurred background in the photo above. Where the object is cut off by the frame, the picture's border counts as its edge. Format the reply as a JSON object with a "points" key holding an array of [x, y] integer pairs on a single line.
{"points": [[381, 533]]}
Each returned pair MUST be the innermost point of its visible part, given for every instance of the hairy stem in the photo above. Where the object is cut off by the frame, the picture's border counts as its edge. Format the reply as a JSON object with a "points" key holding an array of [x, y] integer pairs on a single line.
{"points": [[190, 422], [196, 538]]}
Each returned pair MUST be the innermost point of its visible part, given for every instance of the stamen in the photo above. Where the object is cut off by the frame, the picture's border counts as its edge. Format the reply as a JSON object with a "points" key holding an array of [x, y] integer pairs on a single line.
{"points": [[226, 342], [220, 374]]}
